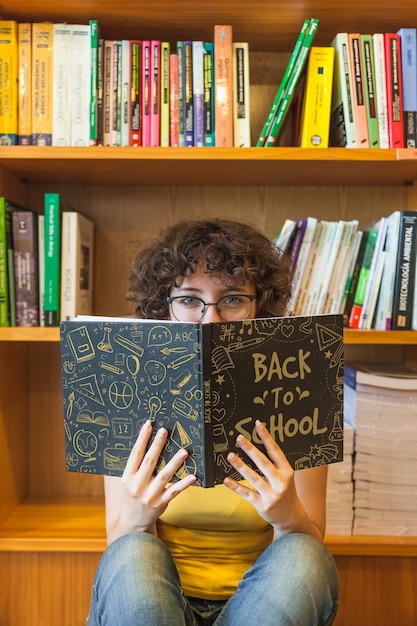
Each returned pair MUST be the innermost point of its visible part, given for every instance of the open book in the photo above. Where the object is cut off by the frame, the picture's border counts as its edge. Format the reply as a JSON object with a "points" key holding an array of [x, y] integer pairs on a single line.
{"points": [[205, 383]]}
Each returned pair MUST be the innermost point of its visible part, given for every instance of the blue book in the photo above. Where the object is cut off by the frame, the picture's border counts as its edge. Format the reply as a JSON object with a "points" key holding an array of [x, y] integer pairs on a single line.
{"points": [[408, 38]]}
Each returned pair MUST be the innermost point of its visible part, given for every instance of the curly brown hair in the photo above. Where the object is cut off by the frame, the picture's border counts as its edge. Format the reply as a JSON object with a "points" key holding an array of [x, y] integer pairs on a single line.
{"points": [[234, 253]]}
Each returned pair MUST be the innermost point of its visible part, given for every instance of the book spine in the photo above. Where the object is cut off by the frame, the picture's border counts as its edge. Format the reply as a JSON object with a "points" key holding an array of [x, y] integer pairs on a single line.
{"points": [[165, 92], [302, 259], [61, 86], [42, 78], [80, 85], [370, 89], [4, 290], [292, 84], [206, 386], [241, 95], [405, 272], [337, 290], [117, 94], [146, 93], [296, 243], [381, 226], [384, 308], [283, 84], [394, 90], [8, 82], [209, 121], [108, 93], [223, 85], [188, 101], [52, 214], [180, 52], [174, 138], [358, 89], [25, 246], [135, 91], [93, 81], [24, 104], [100, 91], [155, 96], [381, 88], [125, 92], [41, 268], [355, 264], [342, 121], [363, 278], [408, 44], [198, 92], [315, 117]]}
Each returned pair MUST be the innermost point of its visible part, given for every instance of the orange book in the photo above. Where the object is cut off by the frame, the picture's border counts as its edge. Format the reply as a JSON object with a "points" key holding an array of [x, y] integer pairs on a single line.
{"points": [[358, 84], [223, 85]]}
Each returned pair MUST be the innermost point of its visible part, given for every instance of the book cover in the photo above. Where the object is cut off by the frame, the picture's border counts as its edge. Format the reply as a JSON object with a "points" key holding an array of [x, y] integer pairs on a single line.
{"points": [[381, 88], [7, 281], [124, 92], [321, 246], [61, 85], [241, 95], [326, 267], [174, 137], [8, 83], [223, 85], [283, 84], [292, 84], [108, 87], [209, 119], [180, 52], [363, 278], [165, 92], [188, 100], [41, 268], [316, 110], [394, 90], [80, 84], [408, 41], [342, 121], [52, 240], [306, 277], [135, 93], [374, 276], [205, 383], [42, 79], [24, 96], [146, 93], [76, 265], [358, 85], [94, 84], [296, 243], [155, 95], [26, 270], [198, 53], [384, 306], [371, 101], [100, 91], [405, 272]]}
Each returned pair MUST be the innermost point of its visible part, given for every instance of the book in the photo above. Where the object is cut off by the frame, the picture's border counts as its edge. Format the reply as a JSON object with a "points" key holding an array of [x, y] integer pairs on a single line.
{"points": [[188, 99], [8, 82], [394, 90], [209, 119], [205, 383], [100, 91], [316, 109], [405, 272], [7, 280], [26, 270], [174, 137], [197, 59], [42, 80], [24, 97], [339, 276], [325, 269], [62, 85], [52, 241], [124, 89], [384, 375], [94, 82], [306, 278], [296, 243], [342, 121], [41, 268], [408, 43], [180, 52], [363, 278], [223, 85], [146, 93], [355, 264], [285, 235], [381, 88], [371, 101], [383, 313], [108, 88], [77, 255], [292, 84], [135, 94], [302, 259], [241, 95], [155, 95], [165, 93], [283, 84], [358, 85], [374, 275]]}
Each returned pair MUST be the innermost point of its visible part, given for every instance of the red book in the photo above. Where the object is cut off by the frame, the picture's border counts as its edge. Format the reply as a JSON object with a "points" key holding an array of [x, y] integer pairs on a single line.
{"points": [[135, 100], [394, 90], [146, 93]]}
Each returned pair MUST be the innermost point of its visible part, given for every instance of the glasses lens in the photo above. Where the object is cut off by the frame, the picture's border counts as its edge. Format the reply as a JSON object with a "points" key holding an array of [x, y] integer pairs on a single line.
{"points": [[234, 307], [187, 308]]}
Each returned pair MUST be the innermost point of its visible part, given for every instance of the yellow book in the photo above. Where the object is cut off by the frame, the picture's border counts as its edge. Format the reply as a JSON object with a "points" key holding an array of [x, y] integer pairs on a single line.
{"points": [[8, 82], [24, 102], [42, 79], [315, 116]]}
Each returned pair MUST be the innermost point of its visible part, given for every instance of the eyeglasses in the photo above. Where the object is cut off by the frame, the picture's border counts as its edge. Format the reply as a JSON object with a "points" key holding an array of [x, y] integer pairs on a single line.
{"points": [[231, 308]]}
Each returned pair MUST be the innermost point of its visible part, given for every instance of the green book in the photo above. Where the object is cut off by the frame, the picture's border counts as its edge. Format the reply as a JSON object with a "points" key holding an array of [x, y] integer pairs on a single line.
{"points": [[283, 84], [294, 79], [7, 280], [52, 234], [370, 90], [363, 278], [93, 81]]}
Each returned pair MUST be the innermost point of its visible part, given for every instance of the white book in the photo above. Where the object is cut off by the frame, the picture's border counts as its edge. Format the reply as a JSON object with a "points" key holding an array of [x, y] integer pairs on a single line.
{"points": [[343, 122], [283, 239], [376, 285], [320, 267], [241, 96], [383, 313], [302, 259], [197, 56], [329, 260], [340, 273], [380, 88], [300, 303], [381, 227], [80, 87], [165, 93], [62, 85], [76, 265]]}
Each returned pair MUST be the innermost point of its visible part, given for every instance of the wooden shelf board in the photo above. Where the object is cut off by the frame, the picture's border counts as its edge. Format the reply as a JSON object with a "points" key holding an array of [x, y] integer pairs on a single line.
{"points": [[74, 524], [208, 166]]}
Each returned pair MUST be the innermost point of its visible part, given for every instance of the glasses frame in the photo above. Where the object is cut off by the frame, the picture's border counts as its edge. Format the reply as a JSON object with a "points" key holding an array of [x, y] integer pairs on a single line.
{"points": [[250, 297]]}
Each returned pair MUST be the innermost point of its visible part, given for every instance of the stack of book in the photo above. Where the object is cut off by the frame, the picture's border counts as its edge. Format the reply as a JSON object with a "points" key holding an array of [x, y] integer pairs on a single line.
{"points": [[339, 503], [380, 404]]}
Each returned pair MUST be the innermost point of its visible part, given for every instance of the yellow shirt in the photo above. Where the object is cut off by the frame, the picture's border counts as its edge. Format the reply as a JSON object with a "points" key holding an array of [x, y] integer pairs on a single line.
{"points": [[214, 536]]}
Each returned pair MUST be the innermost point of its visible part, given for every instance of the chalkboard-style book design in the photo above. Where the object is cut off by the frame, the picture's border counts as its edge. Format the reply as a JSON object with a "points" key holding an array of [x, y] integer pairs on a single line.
{"points": [[205, 383]]}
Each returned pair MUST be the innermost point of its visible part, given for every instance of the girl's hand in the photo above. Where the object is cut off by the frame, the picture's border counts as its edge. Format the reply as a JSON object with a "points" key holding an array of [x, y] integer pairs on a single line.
{"points": [[274, 494], [143, 496]]}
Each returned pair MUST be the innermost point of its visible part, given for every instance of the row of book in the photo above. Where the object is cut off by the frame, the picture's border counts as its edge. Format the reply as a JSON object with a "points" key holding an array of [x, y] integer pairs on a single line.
{"points": [[367, 275], [46, 263], [69, 87]]}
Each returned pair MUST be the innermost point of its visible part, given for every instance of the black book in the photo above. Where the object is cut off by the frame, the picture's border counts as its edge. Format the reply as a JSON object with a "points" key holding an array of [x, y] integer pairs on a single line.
{"points": [[205, 383]]}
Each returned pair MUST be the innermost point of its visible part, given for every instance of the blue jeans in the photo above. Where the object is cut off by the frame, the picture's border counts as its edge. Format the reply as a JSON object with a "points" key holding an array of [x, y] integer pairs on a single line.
{"points": [[294, 582]]}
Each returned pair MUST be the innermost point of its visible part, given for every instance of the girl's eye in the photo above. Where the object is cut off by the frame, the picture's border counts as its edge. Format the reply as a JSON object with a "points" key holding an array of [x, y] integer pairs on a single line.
{"points": [[189, 301]]}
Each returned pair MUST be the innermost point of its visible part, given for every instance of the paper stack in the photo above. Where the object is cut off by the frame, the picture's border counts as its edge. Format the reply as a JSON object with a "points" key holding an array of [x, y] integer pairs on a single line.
{"points": [[339, 503]]}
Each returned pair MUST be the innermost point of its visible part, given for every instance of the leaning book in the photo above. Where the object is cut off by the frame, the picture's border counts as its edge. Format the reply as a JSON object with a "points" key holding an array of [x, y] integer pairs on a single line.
{"points": [[205, 383]]}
